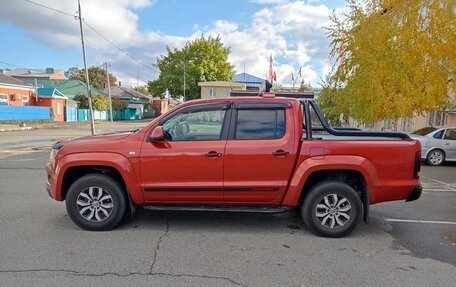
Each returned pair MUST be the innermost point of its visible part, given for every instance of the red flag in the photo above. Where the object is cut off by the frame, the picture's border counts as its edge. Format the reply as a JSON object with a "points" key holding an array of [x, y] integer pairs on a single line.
{"points": [[340, 52]]}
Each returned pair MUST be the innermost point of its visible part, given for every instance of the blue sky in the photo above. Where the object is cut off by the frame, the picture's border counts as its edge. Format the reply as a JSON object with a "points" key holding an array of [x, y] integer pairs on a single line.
{"points": [[289, 30]]}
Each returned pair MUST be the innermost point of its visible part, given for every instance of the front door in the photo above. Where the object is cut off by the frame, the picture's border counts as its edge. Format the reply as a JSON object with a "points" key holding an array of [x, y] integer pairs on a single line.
{"points": [[188, 165], [259, 153]]}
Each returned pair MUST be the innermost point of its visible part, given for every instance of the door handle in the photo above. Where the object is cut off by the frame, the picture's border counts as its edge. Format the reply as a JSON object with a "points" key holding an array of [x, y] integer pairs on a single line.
{"points": [[213, 154], [280, 152]]}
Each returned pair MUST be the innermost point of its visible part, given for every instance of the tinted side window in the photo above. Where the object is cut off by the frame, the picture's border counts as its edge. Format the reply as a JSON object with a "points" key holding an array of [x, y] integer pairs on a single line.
{"points": [[438, 135], [260, 124], [450, 134], [195, 126]]}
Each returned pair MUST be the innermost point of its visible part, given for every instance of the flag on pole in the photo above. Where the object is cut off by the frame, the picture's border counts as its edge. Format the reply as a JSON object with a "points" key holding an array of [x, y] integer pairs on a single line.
{"points": [[299, 73], [340, 54], [292, 76]]}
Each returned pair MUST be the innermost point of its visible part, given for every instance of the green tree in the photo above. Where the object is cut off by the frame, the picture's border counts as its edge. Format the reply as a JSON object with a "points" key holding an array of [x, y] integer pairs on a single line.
{"points": [[142, 90], [97, 76], [394, 57], [100, 103], [118, 104], [82, 101], [204, 59]]}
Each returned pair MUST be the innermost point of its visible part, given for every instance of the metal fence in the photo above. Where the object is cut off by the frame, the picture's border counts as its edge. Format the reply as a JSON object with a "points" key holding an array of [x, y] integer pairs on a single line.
{"points": [[24, 113]]}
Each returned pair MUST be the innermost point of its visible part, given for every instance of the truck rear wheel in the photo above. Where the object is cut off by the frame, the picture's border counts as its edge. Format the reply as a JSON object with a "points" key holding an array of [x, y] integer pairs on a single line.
{"points": [[332, 209], [96, 202]]}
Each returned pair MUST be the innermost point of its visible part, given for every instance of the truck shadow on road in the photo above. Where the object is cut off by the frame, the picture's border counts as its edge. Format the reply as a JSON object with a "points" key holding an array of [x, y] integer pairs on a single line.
{"points": [[282, 223]]}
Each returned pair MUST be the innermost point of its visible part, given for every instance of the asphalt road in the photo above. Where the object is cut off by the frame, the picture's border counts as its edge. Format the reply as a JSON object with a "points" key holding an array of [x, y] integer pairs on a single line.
{"points": [[40, 246]]}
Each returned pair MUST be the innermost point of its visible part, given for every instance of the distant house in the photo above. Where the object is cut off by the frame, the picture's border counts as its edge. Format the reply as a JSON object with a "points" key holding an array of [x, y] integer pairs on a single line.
{"points": [[219, 89], [14, 92], [251, 82], [48, 73], [70, 88], [144, 104], [53, 98]]}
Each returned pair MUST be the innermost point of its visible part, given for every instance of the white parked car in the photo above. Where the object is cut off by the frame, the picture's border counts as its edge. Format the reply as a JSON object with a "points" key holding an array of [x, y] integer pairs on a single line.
{"points": [[437, 145]]}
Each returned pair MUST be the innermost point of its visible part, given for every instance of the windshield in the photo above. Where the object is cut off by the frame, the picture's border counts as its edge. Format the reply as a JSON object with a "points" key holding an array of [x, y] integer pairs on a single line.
{"points": [[424, 131]]}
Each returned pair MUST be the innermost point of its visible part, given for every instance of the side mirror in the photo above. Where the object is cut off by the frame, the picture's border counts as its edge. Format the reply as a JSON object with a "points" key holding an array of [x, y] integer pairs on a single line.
{"points": [[157, 135]]}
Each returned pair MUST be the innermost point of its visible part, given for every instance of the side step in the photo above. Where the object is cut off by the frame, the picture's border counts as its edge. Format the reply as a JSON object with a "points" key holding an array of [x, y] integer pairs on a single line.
{"points": [[230, 208]]}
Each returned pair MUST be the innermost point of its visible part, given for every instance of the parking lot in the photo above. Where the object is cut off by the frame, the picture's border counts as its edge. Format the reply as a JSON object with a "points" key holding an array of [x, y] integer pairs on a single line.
{"points": [[411, 244]]}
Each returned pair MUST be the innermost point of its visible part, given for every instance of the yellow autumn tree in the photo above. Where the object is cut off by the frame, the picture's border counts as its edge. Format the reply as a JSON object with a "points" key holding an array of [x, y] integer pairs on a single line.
{"points": [[393, 58]]}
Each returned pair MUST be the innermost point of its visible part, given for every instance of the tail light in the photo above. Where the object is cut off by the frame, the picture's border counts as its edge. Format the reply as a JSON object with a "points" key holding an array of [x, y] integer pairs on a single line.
{"points": [[417, 168]]}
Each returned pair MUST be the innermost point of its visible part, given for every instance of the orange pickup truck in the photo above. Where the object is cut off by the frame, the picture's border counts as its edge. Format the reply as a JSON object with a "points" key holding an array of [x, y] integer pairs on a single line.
{"points": [[243, 154]]}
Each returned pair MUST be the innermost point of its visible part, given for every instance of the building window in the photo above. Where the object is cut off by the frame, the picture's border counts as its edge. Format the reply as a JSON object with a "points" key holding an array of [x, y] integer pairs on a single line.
{"points": [[437, 119], [3, 99], [213, 92], [25, 100], [59, 109]]}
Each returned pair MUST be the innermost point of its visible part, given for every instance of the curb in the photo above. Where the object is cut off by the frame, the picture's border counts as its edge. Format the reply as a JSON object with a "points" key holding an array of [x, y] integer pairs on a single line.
{"points": [[16, 129]]}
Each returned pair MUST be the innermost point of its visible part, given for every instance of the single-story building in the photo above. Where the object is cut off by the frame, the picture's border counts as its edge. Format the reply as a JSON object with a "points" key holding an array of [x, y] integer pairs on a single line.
{"points": [[14, 92], [24, 73], [144, 104], [251, 82], [219, 89], [53, 98]]}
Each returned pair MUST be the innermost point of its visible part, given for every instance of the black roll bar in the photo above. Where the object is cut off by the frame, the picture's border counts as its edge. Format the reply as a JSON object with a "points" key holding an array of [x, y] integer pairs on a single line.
{"points": [[338, 131]]}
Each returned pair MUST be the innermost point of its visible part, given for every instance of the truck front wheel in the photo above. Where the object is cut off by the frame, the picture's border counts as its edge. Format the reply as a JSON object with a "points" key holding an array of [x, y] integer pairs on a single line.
{"points": [[332, 209], [96, 202]]}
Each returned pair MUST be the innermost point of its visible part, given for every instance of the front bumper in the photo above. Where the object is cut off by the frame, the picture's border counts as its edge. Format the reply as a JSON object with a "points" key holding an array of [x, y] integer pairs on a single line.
{"points": [[51, 183], [415, 193]]}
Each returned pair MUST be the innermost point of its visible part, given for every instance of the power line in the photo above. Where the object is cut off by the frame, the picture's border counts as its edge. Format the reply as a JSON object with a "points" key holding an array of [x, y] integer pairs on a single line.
{"points": [[101, 35], [50, 8], [13, 65], [120, 49]]}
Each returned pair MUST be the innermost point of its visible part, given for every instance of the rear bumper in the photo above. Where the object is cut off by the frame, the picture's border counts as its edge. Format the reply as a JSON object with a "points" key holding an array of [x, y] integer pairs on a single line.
{"points": [[415, 193]]}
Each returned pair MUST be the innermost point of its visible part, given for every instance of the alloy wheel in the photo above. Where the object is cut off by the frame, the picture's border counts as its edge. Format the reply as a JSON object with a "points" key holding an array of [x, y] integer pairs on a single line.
{"points": [[436, 157], [94, 204], [333, 211]]}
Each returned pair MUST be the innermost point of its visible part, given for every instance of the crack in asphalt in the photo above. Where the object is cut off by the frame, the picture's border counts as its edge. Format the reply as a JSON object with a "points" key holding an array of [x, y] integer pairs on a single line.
{"points": [[157, 247], [79, 273]]}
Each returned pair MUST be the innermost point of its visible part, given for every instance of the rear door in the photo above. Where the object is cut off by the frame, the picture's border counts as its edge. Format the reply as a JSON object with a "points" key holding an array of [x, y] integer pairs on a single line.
{"points": [[259, 153], [449, 144]]}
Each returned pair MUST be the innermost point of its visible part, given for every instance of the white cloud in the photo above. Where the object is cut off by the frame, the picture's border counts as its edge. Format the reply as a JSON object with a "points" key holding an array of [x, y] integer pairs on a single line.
{"points": [[289, 30]]}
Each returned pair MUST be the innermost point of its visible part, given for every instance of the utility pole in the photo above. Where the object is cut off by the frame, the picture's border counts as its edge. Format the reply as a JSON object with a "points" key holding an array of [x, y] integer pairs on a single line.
{"points": [[137, 78], [185, 98], [89, 93], [109, 91]]}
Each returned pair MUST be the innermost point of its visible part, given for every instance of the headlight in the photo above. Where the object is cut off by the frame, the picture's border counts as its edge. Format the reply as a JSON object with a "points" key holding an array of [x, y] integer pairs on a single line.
{"points": [[52, 155]]}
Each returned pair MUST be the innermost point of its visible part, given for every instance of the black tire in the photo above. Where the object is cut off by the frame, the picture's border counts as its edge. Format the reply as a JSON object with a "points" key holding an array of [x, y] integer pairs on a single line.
{"points": [[116, 199], [435, 157], [317, 196]]}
